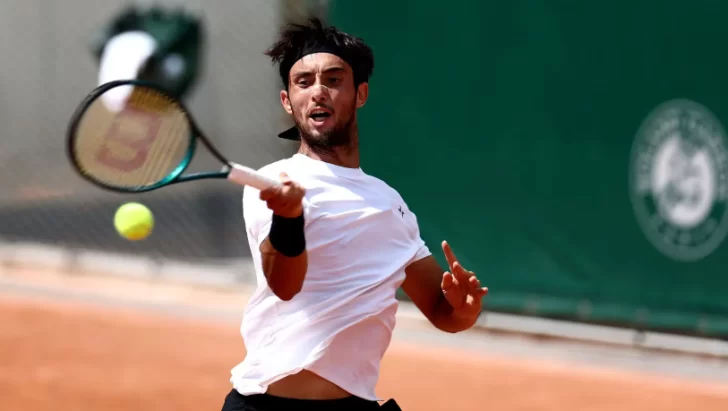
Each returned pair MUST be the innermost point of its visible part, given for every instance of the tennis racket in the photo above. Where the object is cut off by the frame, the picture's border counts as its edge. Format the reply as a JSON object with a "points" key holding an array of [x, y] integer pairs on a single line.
{"points": [[132, 136]]}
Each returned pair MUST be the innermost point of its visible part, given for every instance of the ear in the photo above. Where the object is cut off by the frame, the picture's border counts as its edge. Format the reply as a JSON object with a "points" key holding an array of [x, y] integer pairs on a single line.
{"points": [[286, 102], [362, 93]]}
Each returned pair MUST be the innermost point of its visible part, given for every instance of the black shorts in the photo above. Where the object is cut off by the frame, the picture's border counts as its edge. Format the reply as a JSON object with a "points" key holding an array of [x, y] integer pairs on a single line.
{"points": [[264, 402]]}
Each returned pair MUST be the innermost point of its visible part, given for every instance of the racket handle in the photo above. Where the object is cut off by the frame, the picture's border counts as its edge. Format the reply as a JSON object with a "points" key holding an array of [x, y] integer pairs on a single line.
{"points": [[246, 176]]}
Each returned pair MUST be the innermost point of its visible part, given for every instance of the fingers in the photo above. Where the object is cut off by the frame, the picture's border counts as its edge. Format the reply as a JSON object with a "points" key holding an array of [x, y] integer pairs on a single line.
{"points": [[274, 191], [268, 193], [285, 199], [467, 279], [461, 272], [468, 282], [448, 281], [449, 255], [453, 294], [462, 289], [278, 202], [476, 289]]}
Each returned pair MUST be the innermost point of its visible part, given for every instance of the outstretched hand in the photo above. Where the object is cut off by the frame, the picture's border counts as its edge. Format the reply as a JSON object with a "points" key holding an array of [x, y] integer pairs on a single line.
{"points": [[461, 287]]}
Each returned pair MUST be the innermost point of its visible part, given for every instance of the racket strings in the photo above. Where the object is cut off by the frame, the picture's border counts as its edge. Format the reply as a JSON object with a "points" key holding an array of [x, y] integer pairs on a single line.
{"points": [[132, 143]]}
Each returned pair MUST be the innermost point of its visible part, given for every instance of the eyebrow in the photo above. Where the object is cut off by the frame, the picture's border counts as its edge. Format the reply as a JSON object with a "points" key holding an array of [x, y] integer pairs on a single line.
{"points": [[329, 70]]}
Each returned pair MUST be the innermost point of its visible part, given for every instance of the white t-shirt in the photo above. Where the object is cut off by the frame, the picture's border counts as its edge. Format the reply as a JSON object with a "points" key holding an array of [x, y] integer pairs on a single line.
{"points": [[360, 236]]}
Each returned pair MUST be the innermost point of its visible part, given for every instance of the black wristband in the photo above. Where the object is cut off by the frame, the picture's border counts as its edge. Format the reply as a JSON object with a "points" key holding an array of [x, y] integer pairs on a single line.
{"points": [[286, 235]]}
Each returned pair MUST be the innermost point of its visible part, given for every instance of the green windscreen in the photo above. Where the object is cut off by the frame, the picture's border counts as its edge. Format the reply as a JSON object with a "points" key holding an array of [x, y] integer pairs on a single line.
{"points": [[509, 129]]}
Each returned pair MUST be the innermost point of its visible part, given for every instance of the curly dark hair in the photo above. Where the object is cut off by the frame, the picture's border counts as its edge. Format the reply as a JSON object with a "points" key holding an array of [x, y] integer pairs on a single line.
{"points": [[296, 40]]}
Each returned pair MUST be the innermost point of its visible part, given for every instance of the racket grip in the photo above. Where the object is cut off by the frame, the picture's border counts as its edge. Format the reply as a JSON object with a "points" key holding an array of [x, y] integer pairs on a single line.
{"points": [[246, 176]]}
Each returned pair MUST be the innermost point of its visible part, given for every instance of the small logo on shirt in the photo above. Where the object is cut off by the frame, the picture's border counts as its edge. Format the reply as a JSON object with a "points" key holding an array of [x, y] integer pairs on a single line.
{"points": [[401, 212]]}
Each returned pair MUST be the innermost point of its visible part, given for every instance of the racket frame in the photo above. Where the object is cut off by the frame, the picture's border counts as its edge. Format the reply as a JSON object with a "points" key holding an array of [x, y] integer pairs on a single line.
{"points": [[231, 171]]}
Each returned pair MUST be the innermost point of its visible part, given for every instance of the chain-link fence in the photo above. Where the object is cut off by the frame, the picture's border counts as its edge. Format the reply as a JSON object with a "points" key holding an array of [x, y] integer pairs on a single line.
{"points": [[47, 70]]}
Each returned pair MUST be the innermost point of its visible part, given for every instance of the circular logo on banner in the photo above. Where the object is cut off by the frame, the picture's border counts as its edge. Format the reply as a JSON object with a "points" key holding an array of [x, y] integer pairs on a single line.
{"points": [[679, 180]]}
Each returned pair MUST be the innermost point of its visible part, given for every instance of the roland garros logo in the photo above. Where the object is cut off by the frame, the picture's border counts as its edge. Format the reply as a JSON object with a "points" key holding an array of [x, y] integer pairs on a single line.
{"points": [[678, 180]]}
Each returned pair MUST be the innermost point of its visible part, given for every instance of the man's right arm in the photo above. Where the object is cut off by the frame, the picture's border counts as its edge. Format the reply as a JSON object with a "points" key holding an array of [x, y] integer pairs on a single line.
{"points": [[283, 252], [284, 257]]}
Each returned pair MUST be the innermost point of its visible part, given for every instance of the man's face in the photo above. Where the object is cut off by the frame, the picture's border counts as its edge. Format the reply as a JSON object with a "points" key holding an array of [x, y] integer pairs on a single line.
{"points": [[323, 100]]}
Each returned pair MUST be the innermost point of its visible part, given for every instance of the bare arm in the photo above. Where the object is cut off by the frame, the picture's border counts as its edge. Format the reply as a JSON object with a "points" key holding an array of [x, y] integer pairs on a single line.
{"points": [[283, 252], [285, 274], [451, 301]]}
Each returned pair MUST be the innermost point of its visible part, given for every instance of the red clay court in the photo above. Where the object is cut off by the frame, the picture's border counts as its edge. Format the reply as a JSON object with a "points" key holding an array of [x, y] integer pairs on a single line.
{"points": [[79, 356]]}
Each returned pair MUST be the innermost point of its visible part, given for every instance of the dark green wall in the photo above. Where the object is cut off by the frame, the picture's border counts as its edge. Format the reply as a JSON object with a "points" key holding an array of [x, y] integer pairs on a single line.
{"points": [[508, 128]]}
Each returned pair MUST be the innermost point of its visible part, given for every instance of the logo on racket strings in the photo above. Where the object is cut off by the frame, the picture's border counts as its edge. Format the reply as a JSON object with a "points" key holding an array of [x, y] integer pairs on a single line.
{"points": [[678, 180], [126, 151]]}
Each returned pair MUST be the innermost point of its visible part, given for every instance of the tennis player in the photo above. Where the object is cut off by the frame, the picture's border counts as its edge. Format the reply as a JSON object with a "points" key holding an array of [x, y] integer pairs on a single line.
{"points": [[331, 246]]}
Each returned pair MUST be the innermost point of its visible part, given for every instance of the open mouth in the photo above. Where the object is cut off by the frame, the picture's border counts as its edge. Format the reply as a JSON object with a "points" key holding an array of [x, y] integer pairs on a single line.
{"points": [[320, 116]]}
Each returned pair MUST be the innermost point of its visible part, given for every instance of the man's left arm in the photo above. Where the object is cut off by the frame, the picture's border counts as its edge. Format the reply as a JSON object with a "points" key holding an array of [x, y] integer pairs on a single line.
{"points": [[451, 300]]}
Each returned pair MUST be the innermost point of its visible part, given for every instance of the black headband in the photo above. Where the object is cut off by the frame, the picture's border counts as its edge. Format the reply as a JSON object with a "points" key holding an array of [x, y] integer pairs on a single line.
{"points": [[285, 68], [287, 63]]}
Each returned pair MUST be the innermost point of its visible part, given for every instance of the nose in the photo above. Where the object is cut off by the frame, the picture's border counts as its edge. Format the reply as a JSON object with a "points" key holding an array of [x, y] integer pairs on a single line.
{"points": [[320, 93]]}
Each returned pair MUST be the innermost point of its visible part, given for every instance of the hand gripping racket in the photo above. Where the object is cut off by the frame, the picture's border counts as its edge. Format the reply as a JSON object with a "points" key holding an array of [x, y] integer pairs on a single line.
{"points": [[131, 136]]}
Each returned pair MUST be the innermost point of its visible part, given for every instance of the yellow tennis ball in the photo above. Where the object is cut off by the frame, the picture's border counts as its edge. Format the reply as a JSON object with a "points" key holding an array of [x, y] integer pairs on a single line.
{"points": [[134, 221]]}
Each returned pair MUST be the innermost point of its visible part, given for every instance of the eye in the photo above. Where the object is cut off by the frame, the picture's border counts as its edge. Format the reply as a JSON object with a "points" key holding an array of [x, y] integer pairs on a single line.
{"points": [[335, 80], [302, 81]]}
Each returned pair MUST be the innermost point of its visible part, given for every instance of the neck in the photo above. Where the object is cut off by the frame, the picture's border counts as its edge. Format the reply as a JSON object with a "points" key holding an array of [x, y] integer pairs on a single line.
{"points": [[343, 156]]}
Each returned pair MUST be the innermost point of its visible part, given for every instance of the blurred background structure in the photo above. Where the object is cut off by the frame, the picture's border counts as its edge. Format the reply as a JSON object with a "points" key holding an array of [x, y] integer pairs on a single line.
{"points": [[573, 153], [50, 68]]}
